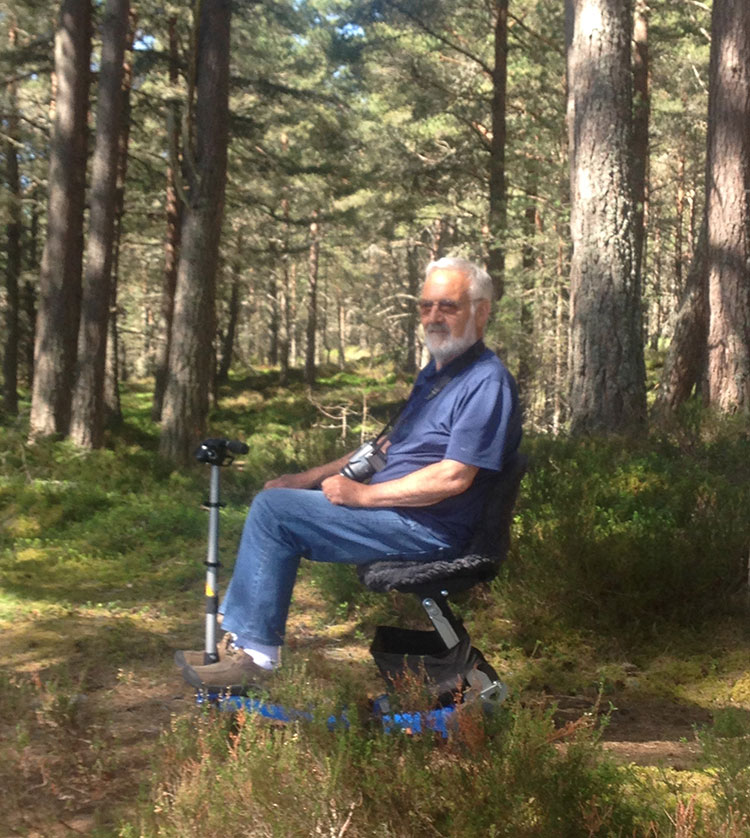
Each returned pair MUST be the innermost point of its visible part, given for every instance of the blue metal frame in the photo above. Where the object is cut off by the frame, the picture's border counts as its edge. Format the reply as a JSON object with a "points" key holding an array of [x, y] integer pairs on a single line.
{"points": [[439, 721]]}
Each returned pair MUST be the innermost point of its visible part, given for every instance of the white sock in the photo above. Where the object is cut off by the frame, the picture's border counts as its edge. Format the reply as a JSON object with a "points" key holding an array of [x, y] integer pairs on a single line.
{"points": [[267, 657]]}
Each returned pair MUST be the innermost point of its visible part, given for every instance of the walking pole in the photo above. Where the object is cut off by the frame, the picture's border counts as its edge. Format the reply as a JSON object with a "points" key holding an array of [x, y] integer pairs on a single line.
{"points": [[216, 453]]}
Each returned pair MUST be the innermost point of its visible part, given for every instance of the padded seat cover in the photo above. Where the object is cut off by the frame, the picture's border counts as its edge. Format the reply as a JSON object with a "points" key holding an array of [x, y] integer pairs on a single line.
{"points": [[482, 559]]}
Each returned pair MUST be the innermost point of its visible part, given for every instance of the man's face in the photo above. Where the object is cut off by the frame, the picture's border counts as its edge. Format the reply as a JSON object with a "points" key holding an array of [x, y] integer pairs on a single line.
{"points": [[451, 324]]}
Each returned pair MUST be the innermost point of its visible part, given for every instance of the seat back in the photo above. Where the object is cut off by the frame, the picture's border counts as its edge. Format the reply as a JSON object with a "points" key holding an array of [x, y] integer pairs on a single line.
{"points": [[491, 537], [480, 561]]}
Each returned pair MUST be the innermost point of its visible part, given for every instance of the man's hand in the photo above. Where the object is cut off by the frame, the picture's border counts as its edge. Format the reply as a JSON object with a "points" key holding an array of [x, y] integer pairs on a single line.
{"points": [[342, 491]]}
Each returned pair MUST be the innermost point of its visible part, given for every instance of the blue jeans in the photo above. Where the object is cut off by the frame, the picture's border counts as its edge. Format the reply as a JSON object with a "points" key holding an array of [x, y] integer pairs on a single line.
{"points": [[286, 524]]}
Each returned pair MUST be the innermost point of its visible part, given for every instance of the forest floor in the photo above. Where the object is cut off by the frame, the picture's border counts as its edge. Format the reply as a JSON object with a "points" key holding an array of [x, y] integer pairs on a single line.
{"points": [[102, 583], [82, 762]]}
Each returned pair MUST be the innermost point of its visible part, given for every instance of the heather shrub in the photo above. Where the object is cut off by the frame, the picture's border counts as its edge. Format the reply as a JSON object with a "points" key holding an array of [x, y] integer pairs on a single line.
{"points": [[626, 535]]}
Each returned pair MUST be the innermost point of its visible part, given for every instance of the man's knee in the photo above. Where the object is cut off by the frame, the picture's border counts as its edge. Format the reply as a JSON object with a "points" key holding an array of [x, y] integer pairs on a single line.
{"points": [[262, 506], [271, 505]]}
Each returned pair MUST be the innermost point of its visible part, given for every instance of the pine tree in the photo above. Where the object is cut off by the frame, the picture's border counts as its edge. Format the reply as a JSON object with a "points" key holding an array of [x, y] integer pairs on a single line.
{"points": [[606, 352], [728, 207], [186, 398], [88, 398], [60, 280]]}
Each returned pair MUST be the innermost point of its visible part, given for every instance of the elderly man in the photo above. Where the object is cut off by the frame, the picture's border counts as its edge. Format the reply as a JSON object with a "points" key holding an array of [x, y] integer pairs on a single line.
{"points": [[460, 424]]}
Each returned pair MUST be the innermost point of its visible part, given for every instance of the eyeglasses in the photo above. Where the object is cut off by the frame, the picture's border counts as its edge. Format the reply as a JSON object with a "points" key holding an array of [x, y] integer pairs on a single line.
{"points": [[449, 307]]}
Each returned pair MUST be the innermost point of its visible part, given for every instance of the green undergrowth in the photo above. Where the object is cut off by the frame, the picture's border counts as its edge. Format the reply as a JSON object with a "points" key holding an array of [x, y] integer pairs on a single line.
{"points": [[625, 537], [626, 582], [514, 772], [506, 775]]}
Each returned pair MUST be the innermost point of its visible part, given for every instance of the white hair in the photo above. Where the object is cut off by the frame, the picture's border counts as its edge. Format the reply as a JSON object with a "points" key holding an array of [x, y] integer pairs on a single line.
{"points": [[480, 283]]}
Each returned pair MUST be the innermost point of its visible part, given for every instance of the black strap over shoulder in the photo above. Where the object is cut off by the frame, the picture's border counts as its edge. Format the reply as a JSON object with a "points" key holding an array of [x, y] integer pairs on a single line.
{"points": [[465, 360]]}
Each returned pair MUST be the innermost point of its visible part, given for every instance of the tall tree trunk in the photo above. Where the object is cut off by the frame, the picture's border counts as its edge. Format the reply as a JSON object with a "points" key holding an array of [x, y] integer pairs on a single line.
{"points": [[412, 322], [294, 334], [528, 262], [686, 355], [274, 324], [728, 207], [13, 230], [561, 334], [227, 345], [679, 224], [341, 330], [87, 425], [323, 322], [641, 117], [29, 294], [28, 304], [186, 398], [112, 404], [60, 279], [312, 301], [173, 233], [497, 220], [286, 321], [607, 371], [285, 292]]}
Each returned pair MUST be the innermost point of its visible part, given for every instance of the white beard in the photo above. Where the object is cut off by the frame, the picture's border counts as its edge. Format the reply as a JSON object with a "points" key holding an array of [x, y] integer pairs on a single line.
{"points": [[443, 346]]}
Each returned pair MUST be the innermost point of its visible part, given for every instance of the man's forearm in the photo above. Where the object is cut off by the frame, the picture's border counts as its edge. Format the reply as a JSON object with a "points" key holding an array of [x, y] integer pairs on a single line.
{"points": [[308, 479], [318, 474], [424, 487]]}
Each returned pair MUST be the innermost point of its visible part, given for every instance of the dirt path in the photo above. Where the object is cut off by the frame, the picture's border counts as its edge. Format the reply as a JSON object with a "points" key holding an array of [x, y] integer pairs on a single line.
{"points": [[643, 731]]}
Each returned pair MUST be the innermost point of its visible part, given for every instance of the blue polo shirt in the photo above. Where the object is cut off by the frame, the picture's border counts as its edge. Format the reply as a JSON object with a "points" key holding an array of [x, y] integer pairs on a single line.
{"points": [[474, 419]]}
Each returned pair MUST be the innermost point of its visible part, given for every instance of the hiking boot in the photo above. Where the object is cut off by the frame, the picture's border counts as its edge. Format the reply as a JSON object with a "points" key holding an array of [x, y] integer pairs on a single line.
{"points": [[195, 657], [234, 675]]}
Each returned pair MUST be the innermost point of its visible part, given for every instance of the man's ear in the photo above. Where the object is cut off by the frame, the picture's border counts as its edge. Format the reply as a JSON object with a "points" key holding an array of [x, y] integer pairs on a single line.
{"points": [[482, 314]]}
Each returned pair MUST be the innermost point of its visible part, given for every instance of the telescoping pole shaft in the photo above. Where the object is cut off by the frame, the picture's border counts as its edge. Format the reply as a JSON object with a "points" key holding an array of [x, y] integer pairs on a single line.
{"points": [[212, 569]]}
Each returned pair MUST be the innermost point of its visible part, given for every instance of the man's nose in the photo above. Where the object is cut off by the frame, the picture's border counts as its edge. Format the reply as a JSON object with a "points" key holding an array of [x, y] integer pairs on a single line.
{"points": [[435, 315]]}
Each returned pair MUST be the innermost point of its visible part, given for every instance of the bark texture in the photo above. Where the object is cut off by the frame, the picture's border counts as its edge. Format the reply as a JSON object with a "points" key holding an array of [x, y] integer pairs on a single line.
{"points": [[173, 234], [687, 349], [606, 365], [186, 399], [86, 427], [413, 276], [13, 230], [728, 207], [641, 118], [60, 280], [112, 405], [313, 263], [498, 210]]}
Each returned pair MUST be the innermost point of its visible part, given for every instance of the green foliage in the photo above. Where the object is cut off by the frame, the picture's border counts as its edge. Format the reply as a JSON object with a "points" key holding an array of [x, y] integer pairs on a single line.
{"points": [[726, 757], [501, 775], [622, 535], [82, 527]]}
